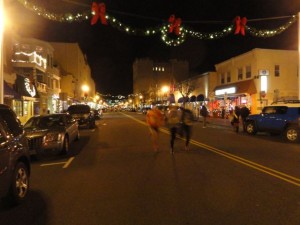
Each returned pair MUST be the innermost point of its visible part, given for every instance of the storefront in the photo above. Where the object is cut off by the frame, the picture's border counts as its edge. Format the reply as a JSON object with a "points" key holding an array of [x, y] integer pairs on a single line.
{"points": [[230, 95], [28, 104]]}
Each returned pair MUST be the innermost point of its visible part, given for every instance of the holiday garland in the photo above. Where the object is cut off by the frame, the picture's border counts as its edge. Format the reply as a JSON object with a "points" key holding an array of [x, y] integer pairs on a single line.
{"points": [[172, 32]]}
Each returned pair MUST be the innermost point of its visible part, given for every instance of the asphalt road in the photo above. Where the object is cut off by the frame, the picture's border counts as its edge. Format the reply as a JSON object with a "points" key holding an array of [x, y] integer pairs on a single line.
{"points": [[113, 177]]}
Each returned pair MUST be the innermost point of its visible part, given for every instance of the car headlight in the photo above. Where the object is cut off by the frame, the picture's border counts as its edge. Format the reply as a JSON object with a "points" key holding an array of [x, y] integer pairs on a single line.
{"points": [[52, 137]]}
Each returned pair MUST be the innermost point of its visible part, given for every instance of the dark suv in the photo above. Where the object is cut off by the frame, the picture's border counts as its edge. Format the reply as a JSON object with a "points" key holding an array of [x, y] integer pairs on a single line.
{"points": [[14, 157], [83, 114], [278, 118]]}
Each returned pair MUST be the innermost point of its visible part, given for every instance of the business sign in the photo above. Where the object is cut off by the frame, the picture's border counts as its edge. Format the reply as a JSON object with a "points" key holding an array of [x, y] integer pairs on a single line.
{"points": [[230, 90], [263, 72]]}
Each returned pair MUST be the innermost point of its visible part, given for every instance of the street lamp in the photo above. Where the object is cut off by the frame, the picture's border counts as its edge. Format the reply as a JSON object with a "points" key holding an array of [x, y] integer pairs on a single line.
{"points": [[141, 101], [85, 90], [1, 51], [165, 90]]}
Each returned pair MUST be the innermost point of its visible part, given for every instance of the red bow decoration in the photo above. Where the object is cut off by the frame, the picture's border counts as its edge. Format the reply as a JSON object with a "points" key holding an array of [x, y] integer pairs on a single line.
{"points": [[99, 11], [240, 25], [174, 24]]}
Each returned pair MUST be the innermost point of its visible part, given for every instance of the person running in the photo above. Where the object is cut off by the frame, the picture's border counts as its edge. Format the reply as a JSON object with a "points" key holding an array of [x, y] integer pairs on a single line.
{"points": [[187, 122], [173, 119], [154, 119]]}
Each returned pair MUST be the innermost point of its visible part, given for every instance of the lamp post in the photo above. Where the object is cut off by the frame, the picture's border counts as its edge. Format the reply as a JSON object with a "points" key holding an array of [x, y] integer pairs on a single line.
{"points": [[1, 50], [165, 90], [85, 90], [298, 55]]}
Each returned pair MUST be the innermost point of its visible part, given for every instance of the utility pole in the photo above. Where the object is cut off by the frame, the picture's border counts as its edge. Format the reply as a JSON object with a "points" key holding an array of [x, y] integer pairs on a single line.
{"points": [[1, 51]]}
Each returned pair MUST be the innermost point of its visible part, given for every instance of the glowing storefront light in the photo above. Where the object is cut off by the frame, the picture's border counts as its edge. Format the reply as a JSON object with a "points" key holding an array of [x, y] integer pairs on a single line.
{"points": [[230, 90], [264, 83]]}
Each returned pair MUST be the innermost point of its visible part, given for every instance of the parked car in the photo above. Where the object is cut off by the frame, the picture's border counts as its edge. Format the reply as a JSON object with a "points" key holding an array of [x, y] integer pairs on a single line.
{"points": [[278, 118], [14, 158], [83, 115], [51, 132]]}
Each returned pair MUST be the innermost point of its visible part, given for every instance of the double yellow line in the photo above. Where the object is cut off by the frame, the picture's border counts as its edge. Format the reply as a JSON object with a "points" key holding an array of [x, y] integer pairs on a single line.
{"points": [[274, 173]]}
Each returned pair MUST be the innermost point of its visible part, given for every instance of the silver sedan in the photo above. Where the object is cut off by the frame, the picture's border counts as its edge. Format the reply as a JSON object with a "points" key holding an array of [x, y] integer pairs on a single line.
{"points": [[51, 132]]}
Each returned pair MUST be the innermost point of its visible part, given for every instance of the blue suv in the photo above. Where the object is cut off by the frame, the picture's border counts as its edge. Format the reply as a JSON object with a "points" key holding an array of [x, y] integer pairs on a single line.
{"points": [[278, 118]]}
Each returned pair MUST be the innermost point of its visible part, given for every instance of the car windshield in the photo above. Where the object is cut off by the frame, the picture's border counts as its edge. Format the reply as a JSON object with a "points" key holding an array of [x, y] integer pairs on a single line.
{"points": [[44, 122], [78, 109]]}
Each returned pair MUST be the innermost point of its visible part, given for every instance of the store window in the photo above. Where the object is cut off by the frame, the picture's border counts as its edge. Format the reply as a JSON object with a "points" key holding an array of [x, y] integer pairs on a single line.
{"points": [[277, 71], [240, 73], [222, 78], [18, 108], [25, 104], [248, 72], [228, 77]]}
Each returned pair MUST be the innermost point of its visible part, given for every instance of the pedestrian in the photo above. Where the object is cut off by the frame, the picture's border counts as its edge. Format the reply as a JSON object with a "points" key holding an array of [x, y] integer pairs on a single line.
{"points": [[154, 119], [172, 120], [236, 119], [223, 113], [186, 123], [244, 114], [204, 114]]}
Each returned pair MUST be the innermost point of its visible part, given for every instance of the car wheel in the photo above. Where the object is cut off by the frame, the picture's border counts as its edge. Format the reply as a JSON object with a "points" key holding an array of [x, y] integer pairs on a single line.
{"points": [[19, 184], [250, 128], [66, 146], [292, 134]]}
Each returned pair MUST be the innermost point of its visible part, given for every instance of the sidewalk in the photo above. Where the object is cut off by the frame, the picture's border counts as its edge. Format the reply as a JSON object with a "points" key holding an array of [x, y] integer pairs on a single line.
{"points": [[215, 121]]}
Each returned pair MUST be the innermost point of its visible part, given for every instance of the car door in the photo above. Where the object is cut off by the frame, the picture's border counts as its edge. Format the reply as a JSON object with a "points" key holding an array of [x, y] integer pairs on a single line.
{"points": [[4, 161], [72, 127], [274, 118]]}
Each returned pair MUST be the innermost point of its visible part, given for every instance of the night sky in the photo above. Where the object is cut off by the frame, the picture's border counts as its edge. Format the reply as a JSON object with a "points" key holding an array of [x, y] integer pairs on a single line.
{"points": [[111, 53]]}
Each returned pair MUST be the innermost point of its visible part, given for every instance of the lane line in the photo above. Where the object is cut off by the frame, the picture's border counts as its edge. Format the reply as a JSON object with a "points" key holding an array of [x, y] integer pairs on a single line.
{"points": [[68, 162], [267, 170]]}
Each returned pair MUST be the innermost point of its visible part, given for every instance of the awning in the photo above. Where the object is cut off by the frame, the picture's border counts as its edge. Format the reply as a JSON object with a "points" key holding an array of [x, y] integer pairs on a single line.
{"points": [[192, 98], [200, 98], [241, 87], [10, 92], [183, 99]]}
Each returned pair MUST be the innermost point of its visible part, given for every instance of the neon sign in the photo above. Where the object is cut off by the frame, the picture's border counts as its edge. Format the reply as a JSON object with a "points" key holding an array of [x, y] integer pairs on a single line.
{"points": [[29, 87]]}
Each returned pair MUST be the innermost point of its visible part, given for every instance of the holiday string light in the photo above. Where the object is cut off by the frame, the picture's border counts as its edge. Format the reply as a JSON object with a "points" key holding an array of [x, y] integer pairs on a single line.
{"points": [[163, 29]]}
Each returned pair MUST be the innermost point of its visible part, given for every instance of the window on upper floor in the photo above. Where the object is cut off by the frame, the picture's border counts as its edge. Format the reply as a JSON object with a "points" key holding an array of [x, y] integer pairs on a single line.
{"points": [[222, 78], [248, 72], [277, 71], [228, 77], [240, 73]]}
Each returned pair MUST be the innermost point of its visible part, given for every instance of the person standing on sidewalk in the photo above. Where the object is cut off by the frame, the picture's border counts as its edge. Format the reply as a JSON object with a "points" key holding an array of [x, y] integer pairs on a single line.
{"points": [[236, 119], [204, 114], [154, 119], [172, 120], [244, 113]]}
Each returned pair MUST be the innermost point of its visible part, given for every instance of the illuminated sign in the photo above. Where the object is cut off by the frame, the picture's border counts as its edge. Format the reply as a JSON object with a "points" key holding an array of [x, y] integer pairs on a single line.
{"points": [[29, 87], [230, 90]]}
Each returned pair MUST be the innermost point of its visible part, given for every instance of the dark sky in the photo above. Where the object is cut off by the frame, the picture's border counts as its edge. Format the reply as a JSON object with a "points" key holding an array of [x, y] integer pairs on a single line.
{"points": [[111, 52]]}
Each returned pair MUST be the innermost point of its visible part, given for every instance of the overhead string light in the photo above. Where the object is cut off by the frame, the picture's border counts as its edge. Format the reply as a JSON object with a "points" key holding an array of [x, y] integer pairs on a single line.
{"points": [[173, 32]]}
